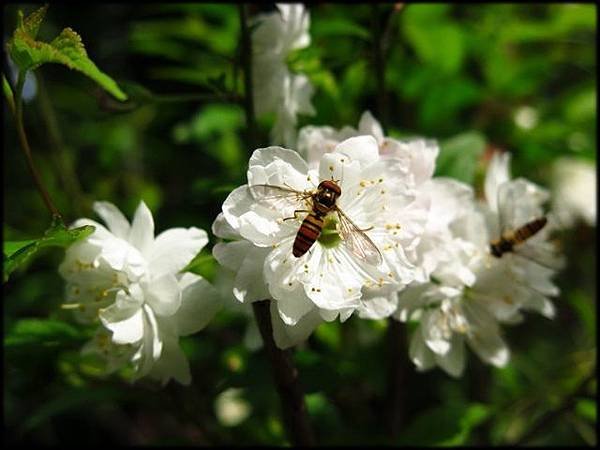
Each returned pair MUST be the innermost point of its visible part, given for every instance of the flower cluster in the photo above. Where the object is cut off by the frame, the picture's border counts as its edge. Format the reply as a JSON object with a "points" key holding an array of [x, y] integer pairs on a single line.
{"points": [[130, 284], [437, 266], [353, 222], [276, 90]]}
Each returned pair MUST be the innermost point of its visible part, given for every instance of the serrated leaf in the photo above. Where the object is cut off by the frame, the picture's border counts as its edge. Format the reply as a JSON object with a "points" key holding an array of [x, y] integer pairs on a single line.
{"points": [[31, 24], [17, 253], [460, 155], [66, 49], [40, 332]]}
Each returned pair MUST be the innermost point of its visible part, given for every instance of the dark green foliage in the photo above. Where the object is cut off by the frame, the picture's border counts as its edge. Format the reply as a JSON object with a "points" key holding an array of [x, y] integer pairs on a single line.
{"points": [[461, 74]]}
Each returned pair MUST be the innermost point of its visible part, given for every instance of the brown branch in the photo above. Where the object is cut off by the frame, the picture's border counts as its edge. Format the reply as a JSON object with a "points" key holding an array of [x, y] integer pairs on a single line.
{"points": [[291, 395], [246, 54], [396, 333], [396, 382], [295, 414], [379, 66]]}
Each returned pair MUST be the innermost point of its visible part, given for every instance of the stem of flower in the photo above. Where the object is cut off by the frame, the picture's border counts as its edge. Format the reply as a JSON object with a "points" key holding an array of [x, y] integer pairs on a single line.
{"points": [[18, 101], [396, 333], [295, 414], [396, 342], [246, 56], [379, 65], [291, 395]]}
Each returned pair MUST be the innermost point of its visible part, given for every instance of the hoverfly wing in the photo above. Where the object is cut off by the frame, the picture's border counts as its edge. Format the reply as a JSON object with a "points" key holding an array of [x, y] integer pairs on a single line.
{"points": [[278, 197], [540, 253], [357, 241]]}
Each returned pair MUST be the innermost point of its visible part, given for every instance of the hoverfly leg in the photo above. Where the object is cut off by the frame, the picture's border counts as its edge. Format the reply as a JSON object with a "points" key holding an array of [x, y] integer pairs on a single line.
{"points": [[295, 217]]}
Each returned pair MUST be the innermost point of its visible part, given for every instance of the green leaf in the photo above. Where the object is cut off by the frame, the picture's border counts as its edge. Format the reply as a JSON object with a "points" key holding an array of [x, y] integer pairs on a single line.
{"points": [[453, 424], [460, 155], [66, 49], [586, 409], [8, 94], [203, 264], [40, 332], [16, 253]]}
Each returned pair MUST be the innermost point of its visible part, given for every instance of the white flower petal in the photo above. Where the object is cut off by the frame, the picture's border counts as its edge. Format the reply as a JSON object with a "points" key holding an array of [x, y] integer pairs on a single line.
{"points": [[141, 233], [363, 149], [172, 363], [286, 336], [498, 172], [173, 249], [223, 229], [200, 301], [419, 353], [114, 218], [369, 125], [126, 324], [249, 285], [453, 362], [436, 333], [378, 307], [277, 157], [163, 294], [231, 254]]}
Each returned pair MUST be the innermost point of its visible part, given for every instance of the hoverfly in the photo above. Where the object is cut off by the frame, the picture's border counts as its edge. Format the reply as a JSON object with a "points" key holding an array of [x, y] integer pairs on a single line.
{"points": [[516, 231], [321, 202], [509, 239]]}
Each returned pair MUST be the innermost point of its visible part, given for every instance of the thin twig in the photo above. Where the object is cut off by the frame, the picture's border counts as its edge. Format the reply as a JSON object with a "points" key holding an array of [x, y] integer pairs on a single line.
{"points": [[295, 414], [18, 100], [386, 38]]}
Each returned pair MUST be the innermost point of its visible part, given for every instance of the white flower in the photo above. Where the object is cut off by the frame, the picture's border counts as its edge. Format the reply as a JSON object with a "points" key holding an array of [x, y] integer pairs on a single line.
{"points": [[418, 154], [474, 292], [329, 280], [131, 281], [275, 89], [574, 191], [448, 199]]}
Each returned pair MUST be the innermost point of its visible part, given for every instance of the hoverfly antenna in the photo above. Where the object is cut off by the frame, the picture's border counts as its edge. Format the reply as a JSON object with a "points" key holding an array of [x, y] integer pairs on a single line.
{"points": [[342, 160]]}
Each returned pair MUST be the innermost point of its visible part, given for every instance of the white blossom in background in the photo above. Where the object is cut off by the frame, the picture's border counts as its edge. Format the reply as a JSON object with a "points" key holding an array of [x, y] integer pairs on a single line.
{"points": [[130, 283], [328, 281], [574, 191], [276, 90], [467, 303]]}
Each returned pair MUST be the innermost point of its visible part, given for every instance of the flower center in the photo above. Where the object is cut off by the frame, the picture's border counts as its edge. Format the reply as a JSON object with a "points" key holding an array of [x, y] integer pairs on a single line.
{"points": [[330, 237]]}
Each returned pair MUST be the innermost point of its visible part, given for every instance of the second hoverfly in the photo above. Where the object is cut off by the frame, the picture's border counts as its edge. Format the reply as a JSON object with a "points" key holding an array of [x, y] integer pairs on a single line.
{"points": [[322, 202]]}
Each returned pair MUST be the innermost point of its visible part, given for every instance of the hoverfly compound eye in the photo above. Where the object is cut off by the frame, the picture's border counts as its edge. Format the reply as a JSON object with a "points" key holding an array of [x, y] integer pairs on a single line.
{"points": [[332, 186]]}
